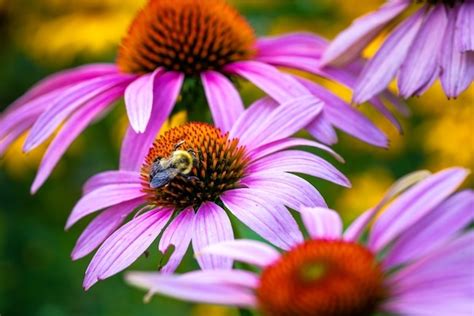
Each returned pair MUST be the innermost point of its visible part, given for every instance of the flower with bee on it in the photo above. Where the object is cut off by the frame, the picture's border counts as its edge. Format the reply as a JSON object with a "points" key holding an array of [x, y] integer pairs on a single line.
{"points": [[169, 41], [247, 170], [417, 259], [435, 41], [164, 170]]}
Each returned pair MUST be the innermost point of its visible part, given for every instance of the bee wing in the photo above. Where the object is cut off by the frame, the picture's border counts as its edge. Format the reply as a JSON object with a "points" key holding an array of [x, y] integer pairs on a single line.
{"points": [[162, 178]]}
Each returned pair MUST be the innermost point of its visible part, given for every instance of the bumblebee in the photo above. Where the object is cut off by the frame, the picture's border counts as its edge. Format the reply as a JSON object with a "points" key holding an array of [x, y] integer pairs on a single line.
{"points": [[179, 162]]}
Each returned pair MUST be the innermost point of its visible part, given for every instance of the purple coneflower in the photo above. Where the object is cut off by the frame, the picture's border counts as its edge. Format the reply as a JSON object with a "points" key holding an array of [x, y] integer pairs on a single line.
{"points": [[436, 41], [171, 40], [248, 170], [417, 260]]}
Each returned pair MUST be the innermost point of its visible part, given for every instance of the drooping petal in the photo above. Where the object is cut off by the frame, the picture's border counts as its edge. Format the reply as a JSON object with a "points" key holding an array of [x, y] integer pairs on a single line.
{"points": [[67, 103], [279, 86], [72, 128], [110, 177], [321, 222], [101, 227], [423, 56], [381, 68], [447, 220], [135, 146], [266, 217], [105, 196], [349, 43], [139, 100], [257, 112], [284, 121], [177, 234], [345, 117], [285, 143], [211, 225], [414, 204], [292, 44], [62, 79], [322, 129], [192, 288], [301, 162], [124, 246], [465, 27], [14, 134], [457, 69], [223, 98], [248, 251], [293, 191]]}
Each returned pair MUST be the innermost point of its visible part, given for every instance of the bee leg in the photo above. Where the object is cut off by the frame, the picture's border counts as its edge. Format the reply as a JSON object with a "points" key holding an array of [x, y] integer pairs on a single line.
{"points": [[192, 178], [179, 144]]}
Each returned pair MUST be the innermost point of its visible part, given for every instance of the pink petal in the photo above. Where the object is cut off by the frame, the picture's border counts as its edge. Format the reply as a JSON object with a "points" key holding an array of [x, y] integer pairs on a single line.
{"points": [[29, 111], [190, 288], [139, 100], [136, 146], [101, 227], [381, 69], [321, 129], [423, 58], [416, 203], [13, 135], [285, 143], [300, 162], [224, 100], [65, 78], [284, 121], [304, 63], [465, 27], [457, 69], [103, 197], [292, 190], [110, 177], [321, 223], [71, 129], [124, 246], [292, 44], [349, 43], [442, 224], [266, 217], [257, 112], [345, 117], [177, 234], [248, 251], [279, 86], [211, 225], [65, 104]]}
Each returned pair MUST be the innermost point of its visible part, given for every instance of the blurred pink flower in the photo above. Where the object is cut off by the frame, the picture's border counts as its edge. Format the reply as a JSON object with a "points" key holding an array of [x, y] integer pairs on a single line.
{"points": [[436, 41], [416, 260], [152, 64], [246, 169]]}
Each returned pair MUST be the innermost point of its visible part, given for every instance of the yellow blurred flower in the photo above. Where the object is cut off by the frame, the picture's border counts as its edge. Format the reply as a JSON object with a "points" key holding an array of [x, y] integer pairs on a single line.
{"points": [[213, 310], [368, 189], [18, 164], [59, 31]]}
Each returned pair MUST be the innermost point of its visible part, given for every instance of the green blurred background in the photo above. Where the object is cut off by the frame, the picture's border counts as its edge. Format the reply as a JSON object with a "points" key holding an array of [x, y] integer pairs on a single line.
{"points": [[37, 276]]}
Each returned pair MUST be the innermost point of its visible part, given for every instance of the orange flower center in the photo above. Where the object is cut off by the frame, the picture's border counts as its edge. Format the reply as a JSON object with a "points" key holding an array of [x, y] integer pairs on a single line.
{"points": [[189, 36], [193, 163], [322, 278]]}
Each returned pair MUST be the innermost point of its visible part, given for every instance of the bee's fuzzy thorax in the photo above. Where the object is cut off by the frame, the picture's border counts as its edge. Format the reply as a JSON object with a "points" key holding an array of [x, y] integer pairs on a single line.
{"points": [[189, 36], [219, 165]]}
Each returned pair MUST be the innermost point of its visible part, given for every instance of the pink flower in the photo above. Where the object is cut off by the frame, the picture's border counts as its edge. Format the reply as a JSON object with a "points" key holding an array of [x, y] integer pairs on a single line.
{"points": [[417, 259], [153, 61], [246, 169], [436, 41]]}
